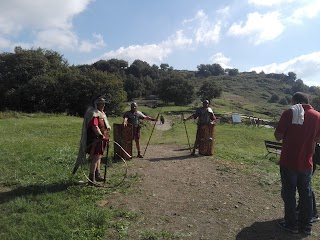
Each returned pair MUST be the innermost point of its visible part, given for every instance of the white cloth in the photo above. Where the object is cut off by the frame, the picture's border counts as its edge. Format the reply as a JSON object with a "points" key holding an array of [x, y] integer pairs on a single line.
{"points": [[297, 114]]}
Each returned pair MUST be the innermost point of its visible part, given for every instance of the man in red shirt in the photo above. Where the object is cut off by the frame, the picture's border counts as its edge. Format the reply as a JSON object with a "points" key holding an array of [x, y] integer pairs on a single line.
{"points": [[299, 130]]}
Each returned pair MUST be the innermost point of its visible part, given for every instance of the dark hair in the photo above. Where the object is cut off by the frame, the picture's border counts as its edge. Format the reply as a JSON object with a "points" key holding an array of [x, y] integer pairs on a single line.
{"points": [[300, 97]]}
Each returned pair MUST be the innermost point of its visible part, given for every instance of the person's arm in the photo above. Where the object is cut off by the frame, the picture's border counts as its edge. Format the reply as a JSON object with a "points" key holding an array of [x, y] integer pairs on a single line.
{"points": [[142, 116], [213, 118], [150, 118], [188, 118], [125, 121], [278, 135], [107, 124], [284, 121]]}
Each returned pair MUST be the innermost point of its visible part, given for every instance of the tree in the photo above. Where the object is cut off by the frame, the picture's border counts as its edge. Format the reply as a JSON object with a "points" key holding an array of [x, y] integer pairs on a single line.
{"points": [[232, 71], [292, 76], [139, 69], [209, 90], [315, 102], [175, 89], [20, 67], [315, 90], [274, 98], [206, 70], [134, 87], [164, 66], [283, 101], [216, 69], [111, 66], [203, 70], [298, 86]]}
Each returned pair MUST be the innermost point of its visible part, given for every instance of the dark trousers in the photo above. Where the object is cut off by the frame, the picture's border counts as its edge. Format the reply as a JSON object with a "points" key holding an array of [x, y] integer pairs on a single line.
{"points": [[314, 204], [291, 181]]}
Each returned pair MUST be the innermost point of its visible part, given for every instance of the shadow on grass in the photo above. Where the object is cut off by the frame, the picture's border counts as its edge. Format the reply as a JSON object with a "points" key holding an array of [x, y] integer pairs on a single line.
{"points": [[266, 231], [23, 191]]}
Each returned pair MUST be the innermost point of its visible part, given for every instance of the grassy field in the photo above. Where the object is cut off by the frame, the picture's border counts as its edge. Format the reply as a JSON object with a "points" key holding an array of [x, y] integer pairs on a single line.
{"points": [[41, 199]]}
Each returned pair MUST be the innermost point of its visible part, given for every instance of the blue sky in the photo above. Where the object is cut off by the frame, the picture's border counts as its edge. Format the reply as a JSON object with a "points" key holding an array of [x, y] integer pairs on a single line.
{"points": [[264, 35]]}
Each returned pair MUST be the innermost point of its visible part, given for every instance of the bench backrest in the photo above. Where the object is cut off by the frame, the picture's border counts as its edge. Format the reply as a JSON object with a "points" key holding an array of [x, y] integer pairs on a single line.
{"points": [[275, 145]]}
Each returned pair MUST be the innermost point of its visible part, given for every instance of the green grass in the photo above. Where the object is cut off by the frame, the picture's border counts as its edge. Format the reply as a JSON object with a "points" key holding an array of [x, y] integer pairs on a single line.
{"points": [[41, 199]]}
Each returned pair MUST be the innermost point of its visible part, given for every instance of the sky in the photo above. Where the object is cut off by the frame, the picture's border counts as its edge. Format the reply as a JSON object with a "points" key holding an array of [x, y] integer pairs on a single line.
{"points": [[273, 36]]}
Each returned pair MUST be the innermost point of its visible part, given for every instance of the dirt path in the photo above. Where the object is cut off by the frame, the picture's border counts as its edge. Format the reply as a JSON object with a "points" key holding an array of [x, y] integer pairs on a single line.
{"points": [[201, 198], [165, 126]]}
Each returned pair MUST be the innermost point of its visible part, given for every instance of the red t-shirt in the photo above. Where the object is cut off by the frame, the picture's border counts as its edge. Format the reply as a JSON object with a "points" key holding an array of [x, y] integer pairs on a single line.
{"points": [[298, 140], [100, 146], [94, 122]]}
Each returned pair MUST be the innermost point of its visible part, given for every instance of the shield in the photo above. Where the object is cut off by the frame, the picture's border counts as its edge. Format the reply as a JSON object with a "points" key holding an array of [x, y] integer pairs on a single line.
{"points": [[207, 139], [123, 136]]}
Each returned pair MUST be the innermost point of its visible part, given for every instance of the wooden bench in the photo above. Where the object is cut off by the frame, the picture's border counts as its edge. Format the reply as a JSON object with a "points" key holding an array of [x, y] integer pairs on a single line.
{"points": [[273, 147]]}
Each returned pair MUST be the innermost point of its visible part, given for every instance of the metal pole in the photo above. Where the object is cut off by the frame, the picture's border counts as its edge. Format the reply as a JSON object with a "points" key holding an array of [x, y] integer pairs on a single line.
{"points": [[184, 123]]}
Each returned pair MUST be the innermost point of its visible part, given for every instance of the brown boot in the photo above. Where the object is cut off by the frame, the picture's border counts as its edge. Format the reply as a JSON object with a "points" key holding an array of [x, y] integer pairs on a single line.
{"points": [[98, 177]]}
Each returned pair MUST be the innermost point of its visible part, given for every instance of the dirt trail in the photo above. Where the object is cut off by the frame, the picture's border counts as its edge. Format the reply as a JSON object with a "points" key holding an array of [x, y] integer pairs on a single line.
{"points": [[201, 198]]}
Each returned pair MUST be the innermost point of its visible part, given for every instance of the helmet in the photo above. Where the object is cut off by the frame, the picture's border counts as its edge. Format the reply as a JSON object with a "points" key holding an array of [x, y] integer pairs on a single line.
{"points": [[134, 105], [100, 100]]}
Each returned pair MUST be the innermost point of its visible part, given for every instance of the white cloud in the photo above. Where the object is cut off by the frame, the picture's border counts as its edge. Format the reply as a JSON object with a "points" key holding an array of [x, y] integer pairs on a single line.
{"points": [[269, 3], [221, 59], [309, 10], [203, 30], [49, 21], [307, 67], [259, 27], [88, 46], [224, 11], [52, 38], [151, 53], [207, 32], [178, 40], [4, 43], [39, 14], [66, 40]]}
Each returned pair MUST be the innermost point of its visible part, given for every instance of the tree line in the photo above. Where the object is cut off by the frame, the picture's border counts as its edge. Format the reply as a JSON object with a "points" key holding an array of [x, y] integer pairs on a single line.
{"points": [[34, 80]]}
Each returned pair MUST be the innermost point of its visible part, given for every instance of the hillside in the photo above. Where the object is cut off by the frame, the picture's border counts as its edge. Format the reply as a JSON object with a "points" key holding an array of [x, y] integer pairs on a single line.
{"points": [[251, 93]]}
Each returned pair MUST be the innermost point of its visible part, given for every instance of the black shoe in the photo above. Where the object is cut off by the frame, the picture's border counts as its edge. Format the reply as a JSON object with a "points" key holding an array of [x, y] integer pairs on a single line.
{"points": [[306, 230], [315, 219], [140, 156], [292, 229], [99, 178]]}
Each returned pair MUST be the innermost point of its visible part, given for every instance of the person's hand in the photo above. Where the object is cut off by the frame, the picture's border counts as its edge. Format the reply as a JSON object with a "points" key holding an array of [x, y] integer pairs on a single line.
{"points": [[125, 124], [100, 136]]}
